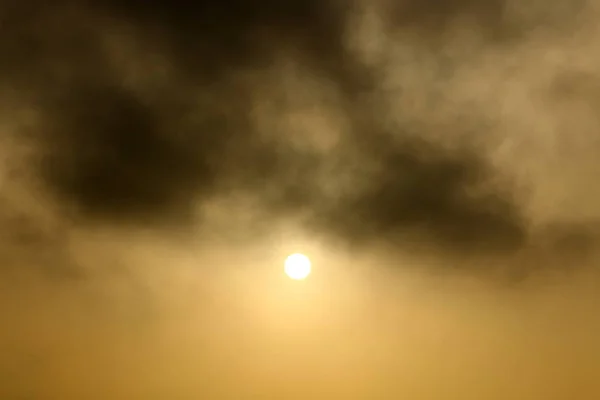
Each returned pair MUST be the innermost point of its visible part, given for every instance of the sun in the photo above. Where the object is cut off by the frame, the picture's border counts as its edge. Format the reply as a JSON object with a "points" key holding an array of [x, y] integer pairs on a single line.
{"points": [[297, 266]]}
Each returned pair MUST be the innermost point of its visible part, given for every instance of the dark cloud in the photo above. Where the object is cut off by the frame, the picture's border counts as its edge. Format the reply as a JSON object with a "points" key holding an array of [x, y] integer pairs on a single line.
{"points": [[119, 155], [419, 192], [112, 155], [210, 38], [433, 16]]}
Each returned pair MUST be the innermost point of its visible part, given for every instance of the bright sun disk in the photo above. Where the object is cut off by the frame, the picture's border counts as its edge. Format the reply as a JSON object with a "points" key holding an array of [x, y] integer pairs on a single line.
{"points": [[297, 266]]}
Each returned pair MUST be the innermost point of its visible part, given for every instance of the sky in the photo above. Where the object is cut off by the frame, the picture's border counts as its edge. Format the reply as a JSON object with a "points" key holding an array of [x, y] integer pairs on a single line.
{"points": [[436, 160]]}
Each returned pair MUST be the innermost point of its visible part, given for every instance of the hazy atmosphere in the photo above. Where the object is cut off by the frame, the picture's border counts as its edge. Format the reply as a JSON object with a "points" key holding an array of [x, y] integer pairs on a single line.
{"points": [[437, 162]]}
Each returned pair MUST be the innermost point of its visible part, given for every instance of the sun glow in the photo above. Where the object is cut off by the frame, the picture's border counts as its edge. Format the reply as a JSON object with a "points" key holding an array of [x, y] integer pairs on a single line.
{"points": [[297, 266]]}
